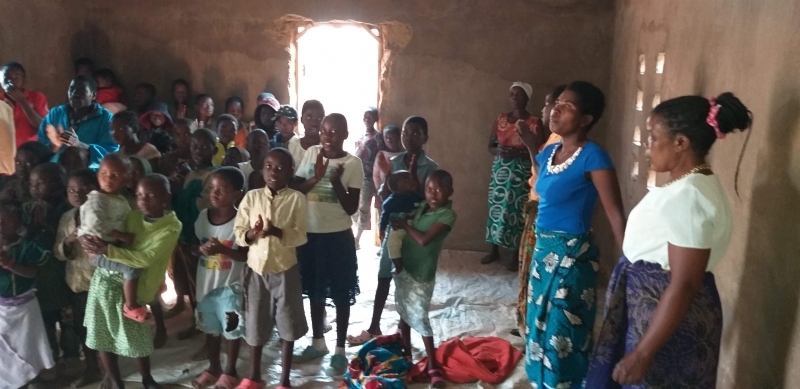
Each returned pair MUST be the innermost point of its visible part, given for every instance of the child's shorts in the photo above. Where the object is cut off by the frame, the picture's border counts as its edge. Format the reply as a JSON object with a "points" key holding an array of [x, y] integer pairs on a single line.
{"points": [[220, 312], [273, 299], [395, 242]]}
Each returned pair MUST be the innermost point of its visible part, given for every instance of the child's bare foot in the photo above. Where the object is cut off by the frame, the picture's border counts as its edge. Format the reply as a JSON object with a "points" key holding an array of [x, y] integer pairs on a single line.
{"points": [[108, 383], [89, 376]]}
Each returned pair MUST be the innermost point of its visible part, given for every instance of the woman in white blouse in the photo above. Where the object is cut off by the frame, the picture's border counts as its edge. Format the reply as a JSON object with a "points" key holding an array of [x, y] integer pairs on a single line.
{"points": [[663, 319]]}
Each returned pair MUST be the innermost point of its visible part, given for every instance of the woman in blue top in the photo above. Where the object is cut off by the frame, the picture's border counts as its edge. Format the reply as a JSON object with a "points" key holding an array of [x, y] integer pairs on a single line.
{"points": [[81, 122], [561, 298]]}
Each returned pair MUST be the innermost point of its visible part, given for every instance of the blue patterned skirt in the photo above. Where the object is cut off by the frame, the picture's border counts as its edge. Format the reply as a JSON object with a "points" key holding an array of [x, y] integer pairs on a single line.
{"points": [[687, 360], [561, 309]]}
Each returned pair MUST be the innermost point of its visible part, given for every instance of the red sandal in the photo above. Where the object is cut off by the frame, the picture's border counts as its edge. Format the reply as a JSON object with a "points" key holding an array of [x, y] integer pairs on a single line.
{"points": [[137, 314], [250, 384], [437, 380]]}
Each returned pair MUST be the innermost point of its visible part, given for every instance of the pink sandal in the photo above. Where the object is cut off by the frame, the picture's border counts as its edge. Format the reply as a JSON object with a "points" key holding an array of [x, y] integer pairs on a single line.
{"points": [[226, 382], [250, 384], [137, 315], [437, 381], [203, 380]]}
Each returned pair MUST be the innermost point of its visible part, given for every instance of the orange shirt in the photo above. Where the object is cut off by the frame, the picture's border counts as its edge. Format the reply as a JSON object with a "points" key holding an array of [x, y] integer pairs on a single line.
{"points": [[534, 174], [24, 130], [507, 132]]}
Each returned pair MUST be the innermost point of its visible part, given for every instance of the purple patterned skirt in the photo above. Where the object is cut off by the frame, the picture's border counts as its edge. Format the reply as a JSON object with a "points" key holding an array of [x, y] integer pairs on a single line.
{"points": [[687, 360]]}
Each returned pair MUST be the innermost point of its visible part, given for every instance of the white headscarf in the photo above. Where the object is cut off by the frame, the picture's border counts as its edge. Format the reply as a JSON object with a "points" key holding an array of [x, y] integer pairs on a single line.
{"points": [[526, 87]]}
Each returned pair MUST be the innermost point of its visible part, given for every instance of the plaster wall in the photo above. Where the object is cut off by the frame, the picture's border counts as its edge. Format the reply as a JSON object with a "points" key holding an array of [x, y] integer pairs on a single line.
{"points": [[751, 48], [454, 71]]}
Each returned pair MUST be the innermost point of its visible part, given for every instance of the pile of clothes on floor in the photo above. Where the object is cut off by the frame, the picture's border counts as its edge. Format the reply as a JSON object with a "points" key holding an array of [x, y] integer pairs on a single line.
{"points": [[380, 363]]}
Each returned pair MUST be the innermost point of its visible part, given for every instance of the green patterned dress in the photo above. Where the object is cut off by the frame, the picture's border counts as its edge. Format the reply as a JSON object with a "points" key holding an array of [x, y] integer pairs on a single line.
{"points": [[107, 330]]}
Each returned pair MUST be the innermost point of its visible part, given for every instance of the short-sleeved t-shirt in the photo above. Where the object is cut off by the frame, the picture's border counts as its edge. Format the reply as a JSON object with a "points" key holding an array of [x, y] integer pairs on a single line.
{"points": [[26, 251], [325, 212], [25, 131], [420, 262], [216, 271], [692, 213], [568, 198], [425, 166]]}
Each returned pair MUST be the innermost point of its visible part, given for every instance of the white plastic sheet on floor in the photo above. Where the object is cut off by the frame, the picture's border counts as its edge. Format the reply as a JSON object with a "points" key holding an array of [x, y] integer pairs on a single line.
{"points": [[470, 299]]}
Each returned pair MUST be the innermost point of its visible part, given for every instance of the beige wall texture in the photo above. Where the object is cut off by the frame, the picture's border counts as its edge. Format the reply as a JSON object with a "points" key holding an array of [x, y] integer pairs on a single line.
{"points": [[455, 71], [751, 48]]}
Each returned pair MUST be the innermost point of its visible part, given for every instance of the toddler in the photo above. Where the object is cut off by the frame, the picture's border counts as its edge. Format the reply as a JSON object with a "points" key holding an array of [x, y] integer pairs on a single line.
{"points": [[103, 216], [400, 204]]}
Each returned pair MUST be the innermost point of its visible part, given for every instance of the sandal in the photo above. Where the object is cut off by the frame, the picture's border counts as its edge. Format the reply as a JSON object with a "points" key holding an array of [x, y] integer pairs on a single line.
{"points": [[437, 381], [361, 338], [250, 384], [203, 380], [136, 314], [226, 381]]}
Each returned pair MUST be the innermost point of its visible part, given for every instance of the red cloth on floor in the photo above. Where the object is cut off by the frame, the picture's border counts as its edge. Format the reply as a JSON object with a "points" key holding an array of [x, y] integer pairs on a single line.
{"points": [[488, 359]]}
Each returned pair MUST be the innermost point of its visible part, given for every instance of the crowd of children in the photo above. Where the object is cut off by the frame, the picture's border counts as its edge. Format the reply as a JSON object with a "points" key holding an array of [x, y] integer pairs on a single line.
{"points": [[247, 218]]}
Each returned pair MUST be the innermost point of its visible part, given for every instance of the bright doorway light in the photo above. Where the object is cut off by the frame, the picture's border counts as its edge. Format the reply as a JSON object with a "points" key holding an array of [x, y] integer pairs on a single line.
{"points": [[338, 65]]}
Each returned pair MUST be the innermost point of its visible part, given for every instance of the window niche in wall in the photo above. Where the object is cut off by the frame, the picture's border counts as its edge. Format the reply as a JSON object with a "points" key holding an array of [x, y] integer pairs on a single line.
{"points": [[639, 100], [642, 64], [662, 57], [656, 99]]}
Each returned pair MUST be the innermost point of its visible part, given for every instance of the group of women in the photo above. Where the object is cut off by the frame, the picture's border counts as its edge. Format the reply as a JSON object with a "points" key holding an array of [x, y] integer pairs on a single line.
{"points": [[663, 318]]}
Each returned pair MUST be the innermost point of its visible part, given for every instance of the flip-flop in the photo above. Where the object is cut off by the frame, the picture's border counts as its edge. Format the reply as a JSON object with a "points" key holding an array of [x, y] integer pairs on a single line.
{"points": [[137, 314], [204, 380], [226, 381], [250, 384], [309, 354], [361, 338], [437, 381]]}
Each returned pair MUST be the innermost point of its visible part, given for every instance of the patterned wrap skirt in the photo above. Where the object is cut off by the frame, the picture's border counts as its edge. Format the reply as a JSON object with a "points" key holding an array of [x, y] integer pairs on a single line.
{"points": [[525, 258], [106, 329], [508, 193], [413, 300], [561, 309], [687, 360]]}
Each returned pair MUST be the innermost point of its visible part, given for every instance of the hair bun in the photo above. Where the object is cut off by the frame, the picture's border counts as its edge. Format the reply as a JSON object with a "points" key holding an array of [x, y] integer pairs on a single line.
{"points": [[733, 115]]}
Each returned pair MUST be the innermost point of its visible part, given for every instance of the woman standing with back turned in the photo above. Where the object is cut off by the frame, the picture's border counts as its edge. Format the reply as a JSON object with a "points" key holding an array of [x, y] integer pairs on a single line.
{"points": [[561, 300], [678, 233]]}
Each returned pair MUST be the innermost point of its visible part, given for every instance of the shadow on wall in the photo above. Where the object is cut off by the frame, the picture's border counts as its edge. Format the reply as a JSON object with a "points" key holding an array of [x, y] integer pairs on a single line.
{"points": [[90, 41], [767, 301]]}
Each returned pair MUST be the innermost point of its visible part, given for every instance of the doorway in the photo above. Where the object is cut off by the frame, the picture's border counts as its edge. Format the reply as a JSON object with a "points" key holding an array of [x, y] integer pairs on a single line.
{"points": [[338, 64]]}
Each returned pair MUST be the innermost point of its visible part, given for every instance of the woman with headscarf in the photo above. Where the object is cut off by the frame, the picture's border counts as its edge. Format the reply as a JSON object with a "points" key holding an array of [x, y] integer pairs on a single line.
{"points": [[81, 122], [663, 321], [509, 188]]}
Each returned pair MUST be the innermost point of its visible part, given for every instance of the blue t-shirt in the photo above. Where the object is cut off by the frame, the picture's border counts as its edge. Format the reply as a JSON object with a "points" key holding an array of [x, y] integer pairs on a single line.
{"points": [[94, 130], [568, 198]]}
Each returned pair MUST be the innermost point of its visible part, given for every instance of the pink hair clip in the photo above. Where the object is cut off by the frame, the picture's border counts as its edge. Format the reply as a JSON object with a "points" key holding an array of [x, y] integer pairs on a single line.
{"points": [[712, 117]]}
